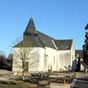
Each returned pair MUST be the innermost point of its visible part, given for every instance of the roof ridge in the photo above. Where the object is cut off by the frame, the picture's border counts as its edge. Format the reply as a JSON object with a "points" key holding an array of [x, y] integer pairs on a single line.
{"points": [[46, 35]]}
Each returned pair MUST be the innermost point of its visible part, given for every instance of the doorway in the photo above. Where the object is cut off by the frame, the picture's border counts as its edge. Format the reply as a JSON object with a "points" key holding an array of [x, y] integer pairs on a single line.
{"points": [[26, 67]]}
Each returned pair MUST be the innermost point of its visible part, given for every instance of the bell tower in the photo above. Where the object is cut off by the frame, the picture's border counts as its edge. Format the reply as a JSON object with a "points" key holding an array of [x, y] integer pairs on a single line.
{"points": [[30, 31]]}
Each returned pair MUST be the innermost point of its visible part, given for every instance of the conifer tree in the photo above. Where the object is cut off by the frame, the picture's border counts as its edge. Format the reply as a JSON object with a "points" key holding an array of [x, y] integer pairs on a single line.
{"points": [[85, 47]]}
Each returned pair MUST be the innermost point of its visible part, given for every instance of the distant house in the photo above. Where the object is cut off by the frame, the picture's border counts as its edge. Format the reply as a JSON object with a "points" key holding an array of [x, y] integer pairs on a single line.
{"points": [[10, 57], [79, 54], [49, 54]]}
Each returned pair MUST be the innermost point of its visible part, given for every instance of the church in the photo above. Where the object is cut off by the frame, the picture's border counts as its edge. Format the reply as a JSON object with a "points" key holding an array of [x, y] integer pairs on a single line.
{"points": [[42, 53]]}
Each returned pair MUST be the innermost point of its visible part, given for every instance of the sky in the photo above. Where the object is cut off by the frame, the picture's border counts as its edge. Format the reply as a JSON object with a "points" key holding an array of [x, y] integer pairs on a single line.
{"points": [[60, 19]]}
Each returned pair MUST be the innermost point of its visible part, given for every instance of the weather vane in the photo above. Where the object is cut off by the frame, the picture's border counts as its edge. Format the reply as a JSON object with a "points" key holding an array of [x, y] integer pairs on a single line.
{"points": [[31, 12]]}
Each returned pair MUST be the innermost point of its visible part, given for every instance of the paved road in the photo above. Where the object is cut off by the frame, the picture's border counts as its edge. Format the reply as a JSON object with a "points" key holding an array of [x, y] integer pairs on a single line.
{"points": [[77, 74], [57, 85], [81, 74]]}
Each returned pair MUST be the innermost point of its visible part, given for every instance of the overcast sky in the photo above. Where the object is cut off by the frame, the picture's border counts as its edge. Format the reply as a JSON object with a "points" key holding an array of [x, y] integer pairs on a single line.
{"points": [[60, 19]]}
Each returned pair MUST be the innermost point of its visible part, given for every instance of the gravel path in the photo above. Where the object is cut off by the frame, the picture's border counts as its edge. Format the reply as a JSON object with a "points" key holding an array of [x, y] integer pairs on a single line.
{"points": [[5, 75], [81, 74]]}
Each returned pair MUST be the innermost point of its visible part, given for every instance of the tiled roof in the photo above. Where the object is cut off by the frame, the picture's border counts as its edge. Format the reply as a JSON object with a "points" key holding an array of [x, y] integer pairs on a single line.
{"points": [[63, 44]]}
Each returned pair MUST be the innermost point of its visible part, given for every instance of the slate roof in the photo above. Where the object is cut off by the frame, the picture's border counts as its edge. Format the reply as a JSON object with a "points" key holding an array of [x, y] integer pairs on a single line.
{"points": [[79, 52], [31, 27], [42, 40], [46, 40], [64, 44], [29, 44]]}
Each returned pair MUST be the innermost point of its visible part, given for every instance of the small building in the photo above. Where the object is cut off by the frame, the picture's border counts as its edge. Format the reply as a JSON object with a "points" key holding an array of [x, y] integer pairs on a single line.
{"points": [[10, 57], [79, 56], [46, 53]]}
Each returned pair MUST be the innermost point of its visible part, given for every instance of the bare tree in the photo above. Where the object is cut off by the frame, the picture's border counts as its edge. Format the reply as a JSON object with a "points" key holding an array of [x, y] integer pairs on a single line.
{"points": [[24, 50]]}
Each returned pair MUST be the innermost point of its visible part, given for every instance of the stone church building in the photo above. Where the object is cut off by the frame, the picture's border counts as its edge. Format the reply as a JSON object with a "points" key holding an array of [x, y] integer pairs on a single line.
{"points": [[45, 53]]}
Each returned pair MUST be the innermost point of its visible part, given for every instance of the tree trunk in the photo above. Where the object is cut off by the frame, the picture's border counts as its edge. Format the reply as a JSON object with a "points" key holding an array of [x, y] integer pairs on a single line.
{"points": [[23, 72]]}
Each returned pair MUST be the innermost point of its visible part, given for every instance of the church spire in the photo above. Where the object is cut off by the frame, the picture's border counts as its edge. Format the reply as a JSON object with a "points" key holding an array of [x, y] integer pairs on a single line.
{"points": [[31, 29]]}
